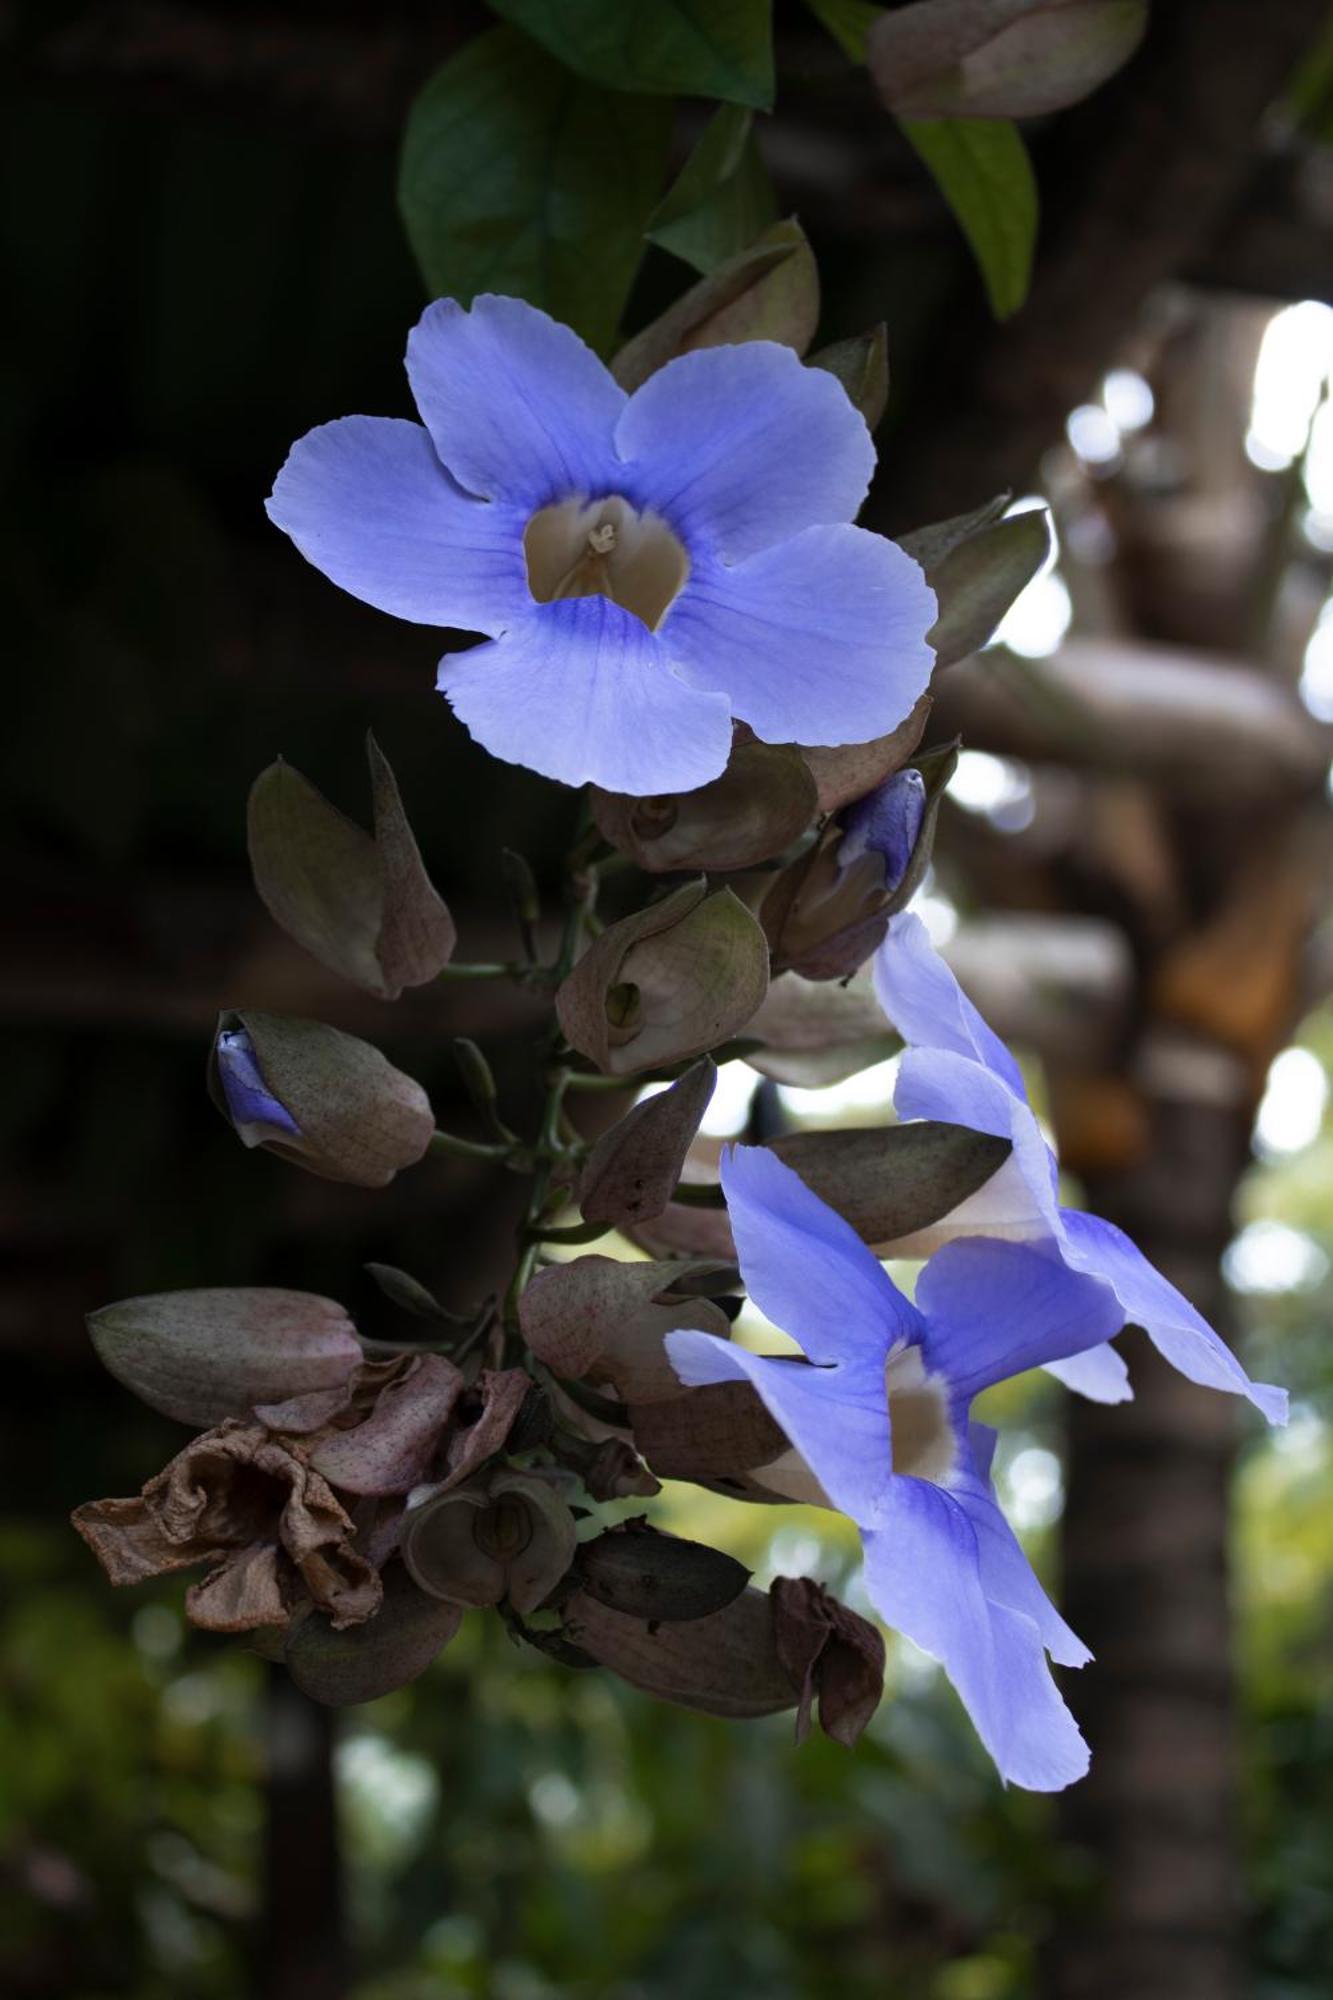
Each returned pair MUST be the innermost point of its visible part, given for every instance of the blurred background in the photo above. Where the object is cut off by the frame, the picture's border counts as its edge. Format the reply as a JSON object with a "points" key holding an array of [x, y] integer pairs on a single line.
{"points": [[198, 224]]}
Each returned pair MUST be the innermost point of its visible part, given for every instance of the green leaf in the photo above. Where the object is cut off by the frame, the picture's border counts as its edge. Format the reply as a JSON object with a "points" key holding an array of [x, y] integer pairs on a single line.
{"points": [[722, 199], [848, 21], [695, 48], [983, 171], [516, 177]]}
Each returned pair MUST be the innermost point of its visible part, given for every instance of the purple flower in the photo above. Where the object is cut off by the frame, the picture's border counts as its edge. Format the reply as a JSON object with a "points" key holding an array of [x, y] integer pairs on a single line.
{"points": [[881, 1419], [955, 1068], [646, 567], [255, 1112], [886, 822]]}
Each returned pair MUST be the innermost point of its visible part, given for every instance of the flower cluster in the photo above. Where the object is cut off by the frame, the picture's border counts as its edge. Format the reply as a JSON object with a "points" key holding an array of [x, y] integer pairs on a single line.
{"points": [[679, 611]]}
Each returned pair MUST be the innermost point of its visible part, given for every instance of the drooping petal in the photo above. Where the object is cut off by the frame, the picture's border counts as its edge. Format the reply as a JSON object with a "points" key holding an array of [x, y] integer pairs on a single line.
{"points": [[741, 447], [820, 639], [923, 1574], [366, 500], [994, 1309], [518, 407], [1151, 1301], [1007, 1577], [930, 1010], [582, 691], [806, 1269], [1100, 1375], [836, 1417]]}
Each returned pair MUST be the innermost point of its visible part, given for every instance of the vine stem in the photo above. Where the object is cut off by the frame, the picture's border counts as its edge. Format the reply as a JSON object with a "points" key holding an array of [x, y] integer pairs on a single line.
{"points": [[580, 897]]}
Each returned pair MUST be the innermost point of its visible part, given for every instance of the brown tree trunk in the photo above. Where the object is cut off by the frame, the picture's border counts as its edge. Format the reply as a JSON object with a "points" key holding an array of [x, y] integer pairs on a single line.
{"points": [[1145, 1563], [302, 1954]]}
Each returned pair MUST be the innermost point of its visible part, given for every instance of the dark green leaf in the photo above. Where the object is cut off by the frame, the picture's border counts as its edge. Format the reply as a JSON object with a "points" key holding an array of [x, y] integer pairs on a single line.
{"points": [[517, 177], [722, 199], [982, 169], [848, 21], [695, 48]]}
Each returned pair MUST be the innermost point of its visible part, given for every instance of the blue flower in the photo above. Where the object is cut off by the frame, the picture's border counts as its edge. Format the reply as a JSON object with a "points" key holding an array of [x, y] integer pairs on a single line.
{"points": [[646, 567], [886, 822], [255, 1112], [955, 1068], [882, 1421]]}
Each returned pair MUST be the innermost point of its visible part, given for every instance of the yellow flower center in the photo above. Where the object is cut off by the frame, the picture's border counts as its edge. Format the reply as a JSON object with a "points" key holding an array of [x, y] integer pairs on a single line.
{"points": [[578, 548]]}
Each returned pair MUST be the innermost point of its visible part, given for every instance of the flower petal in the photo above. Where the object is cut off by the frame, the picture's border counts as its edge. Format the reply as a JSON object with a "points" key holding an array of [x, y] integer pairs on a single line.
{"points": [[923, 1573], [995, 1309], [1008, 1578], [743, 446], [367, 501], [518, 407], [924, 1002], [1149, 1300], [837, 1417], [806, 1269], [1100, 1375], [582, 691], [820, 639]]}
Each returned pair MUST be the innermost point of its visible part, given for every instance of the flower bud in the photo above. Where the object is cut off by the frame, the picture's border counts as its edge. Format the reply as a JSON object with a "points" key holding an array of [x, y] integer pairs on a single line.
{"points": [[768, 292], [507, 1536], [763, 801], [312, 1094], [668, 982], [826, 913], [998, 58], [361, 904], [976, 564], [639, 1570], [204, 1355], [725, 1664]]}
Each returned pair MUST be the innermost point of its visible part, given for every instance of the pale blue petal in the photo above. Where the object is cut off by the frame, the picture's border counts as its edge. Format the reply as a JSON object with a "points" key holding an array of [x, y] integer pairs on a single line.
{"points": [[993, 1310], [836, 1417], [1149, 1300], [923, 1574], [518, 407], [367, 501], [819, 640], [806, 1269], [930, 1010], [582, 691], [741, 447], [1100, 1375], [1007, 1577]]}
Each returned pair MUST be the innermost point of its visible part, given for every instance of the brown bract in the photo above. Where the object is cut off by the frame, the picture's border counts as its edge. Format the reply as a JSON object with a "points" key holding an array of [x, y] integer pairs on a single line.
{"points": [[668, 982], [999, 58], [633, 1169], [831, 1654], [603, 1320], [363, 905], [252, 1506], [763, 801], [725, 1664], [769, 291]]}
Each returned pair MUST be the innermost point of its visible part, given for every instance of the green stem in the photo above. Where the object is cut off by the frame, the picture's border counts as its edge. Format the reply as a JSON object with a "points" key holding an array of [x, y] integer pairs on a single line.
{"points": [[577, 1232], [455, 1148], [461, 972]]}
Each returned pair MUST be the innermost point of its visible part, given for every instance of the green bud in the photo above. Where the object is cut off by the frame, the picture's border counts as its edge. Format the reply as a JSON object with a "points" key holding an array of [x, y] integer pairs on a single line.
{"points": [[636, 1569]]}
